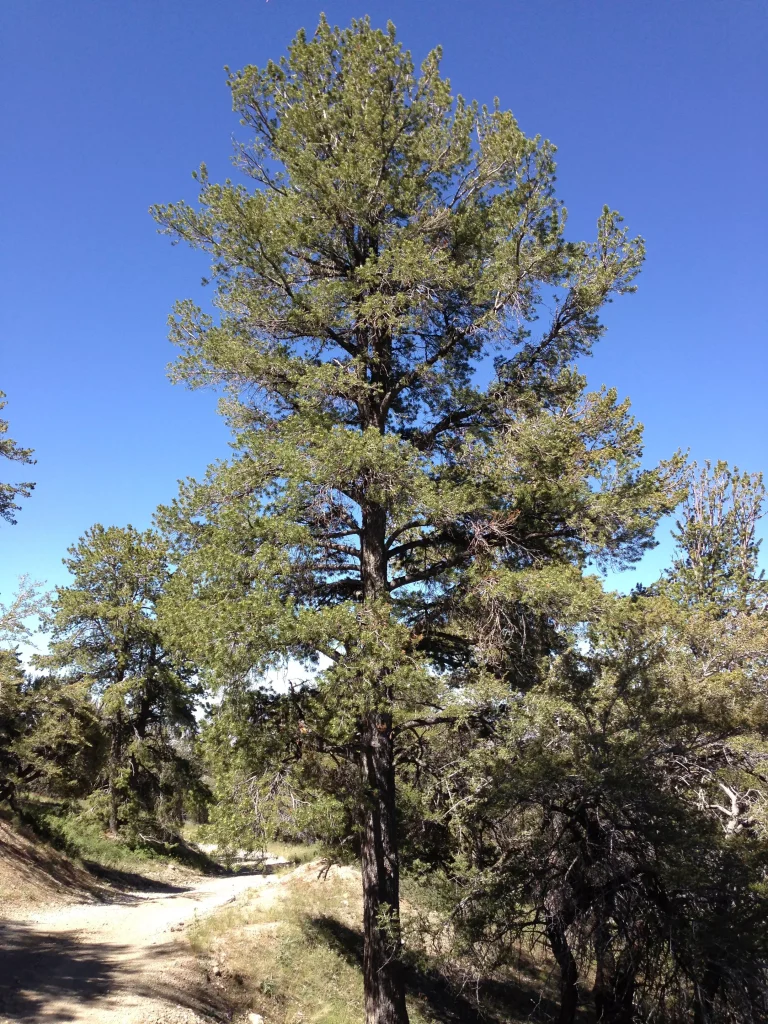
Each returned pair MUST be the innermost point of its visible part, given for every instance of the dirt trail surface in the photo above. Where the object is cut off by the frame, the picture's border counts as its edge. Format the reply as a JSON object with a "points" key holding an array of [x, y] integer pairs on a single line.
{"points": [[124, 962]]}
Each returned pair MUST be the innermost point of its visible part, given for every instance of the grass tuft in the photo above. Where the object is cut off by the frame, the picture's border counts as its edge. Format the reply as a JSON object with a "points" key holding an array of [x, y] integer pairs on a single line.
{"points": [[281, 966]]}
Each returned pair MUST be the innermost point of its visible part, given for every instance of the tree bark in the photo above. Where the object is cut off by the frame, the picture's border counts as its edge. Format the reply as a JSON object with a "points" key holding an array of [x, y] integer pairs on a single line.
{"points": [[382, 965], [706, 991], [373, 554], [384, 984], [8, 793], [569, 973], [112, 802]]}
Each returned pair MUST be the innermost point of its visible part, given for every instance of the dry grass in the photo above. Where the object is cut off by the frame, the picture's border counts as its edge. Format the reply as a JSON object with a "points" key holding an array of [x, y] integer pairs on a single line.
{"points": [[292, 952], [269, 952], [294, 853]]}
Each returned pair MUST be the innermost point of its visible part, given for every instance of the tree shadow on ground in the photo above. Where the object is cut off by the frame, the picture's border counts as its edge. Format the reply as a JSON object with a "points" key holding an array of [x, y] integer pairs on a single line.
{"points": [[439, 1000], [50, 978], [33, 865], [127, 880], [36, 969]]}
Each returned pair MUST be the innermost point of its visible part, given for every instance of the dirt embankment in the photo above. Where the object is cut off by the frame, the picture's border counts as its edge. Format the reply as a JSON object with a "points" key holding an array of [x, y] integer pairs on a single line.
{"points": [[33, 874]]}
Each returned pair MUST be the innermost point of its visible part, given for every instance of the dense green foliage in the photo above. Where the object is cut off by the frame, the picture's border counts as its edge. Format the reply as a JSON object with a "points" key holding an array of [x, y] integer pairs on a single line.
{"points": [[49, 733], [393, 518]]}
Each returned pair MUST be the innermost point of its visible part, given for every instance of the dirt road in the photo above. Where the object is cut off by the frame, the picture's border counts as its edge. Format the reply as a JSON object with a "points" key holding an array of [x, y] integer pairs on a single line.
{"points": [[119, 963]]}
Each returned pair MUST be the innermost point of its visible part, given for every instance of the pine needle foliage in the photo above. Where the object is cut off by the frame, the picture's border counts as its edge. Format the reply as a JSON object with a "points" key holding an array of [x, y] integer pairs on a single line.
{"points": [[105, 639], [10, 449]]}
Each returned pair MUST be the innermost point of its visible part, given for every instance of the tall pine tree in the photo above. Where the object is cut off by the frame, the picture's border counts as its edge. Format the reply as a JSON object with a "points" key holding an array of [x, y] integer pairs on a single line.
{"points": [[418, 468]]}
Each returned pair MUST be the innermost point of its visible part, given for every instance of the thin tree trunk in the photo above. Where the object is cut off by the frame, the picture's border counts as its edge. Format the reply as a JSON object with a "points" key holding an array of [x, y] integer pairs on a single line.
{"points": [[706, 991], [8, 793], [112, 802], [569, 972], [114, 762], [614, 988], [382, 966]]}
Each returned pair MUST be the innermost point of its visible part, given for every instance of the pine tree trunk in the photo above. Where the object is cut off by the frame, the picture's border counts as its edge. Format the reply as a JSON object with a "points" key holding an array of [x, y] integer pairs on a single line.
{"points": [[382, 967]]}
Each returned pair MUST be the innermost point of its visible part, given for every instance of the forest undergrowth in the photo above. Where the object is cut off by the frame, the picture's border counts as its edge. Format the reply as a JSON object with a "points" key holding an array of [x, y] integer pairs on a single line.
{"points": [[73, 828], [294, 953]]}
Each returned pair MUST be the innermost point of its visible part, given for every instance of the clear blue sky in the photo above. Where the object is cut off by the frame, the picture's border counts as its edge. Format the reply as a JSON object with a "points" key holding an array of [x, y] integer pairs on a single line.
{"points": [[658, 108]]}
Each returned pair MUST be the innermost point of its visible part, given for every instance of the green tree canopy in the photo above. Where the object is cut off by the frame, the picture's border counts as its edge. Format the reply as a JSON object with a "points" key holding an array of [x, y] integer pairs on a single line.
{"points": [[716, 567], [50, 736], [619, 811]]}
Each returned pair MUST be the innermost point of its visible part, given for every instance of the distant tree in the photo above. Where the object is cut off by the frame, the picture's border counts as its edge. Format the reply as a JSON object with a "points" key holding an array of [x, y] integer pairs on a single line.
{"points": [[716, 567], [9, 449], [11, 682], [265, 784], [17, 617], [105, 636], [49, 735], [417, 460]]}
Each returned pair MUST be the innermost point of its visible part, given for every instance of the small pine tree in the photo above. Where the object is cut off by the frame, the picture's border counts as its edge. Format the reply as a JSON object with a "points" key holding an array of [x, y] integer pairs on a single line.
{"points": [[716, 566]]}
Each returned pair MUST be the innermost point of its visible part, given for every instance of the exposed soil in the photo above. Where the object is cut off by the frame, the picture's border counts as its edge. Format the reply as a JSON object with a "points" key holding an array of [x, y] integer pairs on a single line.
{"points": [[121, 962], [33, 874]]}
